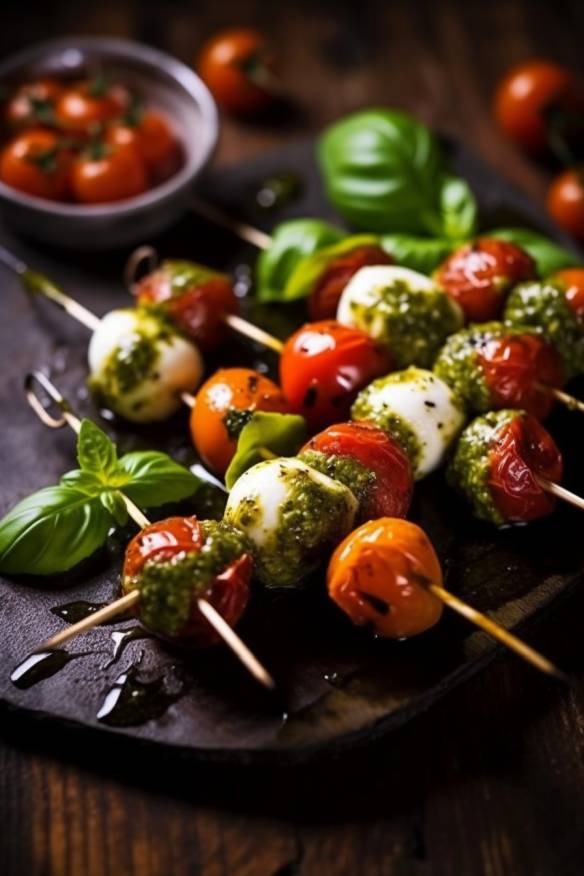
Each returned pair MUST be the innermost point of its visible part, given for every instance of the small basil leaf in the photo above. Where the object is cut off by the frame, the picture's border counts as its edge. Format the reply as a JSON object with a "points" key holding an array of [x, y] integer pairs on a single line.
{"points": [[264, 436], [458, 209], [549, 256], [291, 242], [52, 531], [307, 272], [418, 253], [153, 478], [95, 451], [85, 481]]}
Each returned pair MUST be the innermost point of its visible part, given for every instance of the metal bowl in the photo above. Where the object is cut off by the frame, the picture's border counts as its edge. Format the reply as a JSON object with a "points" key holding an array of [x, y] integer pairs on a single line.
{"points": [[169, 86]]}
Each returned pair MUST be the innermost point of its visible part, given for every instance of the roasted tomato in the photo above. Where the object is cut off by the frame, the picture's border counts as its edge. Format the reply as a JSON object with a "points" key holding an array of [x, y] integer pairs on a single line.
{"points": [[33, 103], [565, 202], [105, 173], [573, 281], [389, 492], [89, 105], [522, 452], [238, 68], [223, 406], [161, 541], [478, 275], [324, 299], [378, 576], [37, 163], [151, 136], [195, 299], [324, 365], [538, 99]]}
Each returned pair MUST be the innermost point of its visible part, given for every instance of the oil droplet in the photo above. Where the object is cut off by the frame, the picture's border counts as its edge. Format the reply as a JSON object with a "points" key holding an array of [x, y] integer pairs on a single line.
{"points": [[72, 612], [122, 638], [278, 190], [131, 702], [38, 667], [335, 679], [243, 280]]}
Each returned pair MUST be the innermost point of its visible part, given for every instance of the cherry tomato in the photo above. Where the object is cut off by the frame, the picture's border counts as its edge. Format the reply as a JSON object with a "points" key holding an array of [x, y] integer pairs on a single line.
{"points": [[35, 163], [573, 281], [152, 138], [324, 299], [515, 367], [565, 202], [523, 451], [81, 108], [478, 275], [33, 103], [108, 173], [196, 309], [390, 493], [534, 98], [162, 541], [377, 576], [324, 365], [237, 66], [223, 406]]}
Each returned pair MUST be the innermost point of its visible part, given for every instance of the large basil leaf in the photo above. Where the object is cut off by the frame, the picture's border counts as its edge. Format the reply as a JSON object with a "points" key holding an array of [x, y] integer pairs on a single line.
{"points": [[153, 478], [266, 434], [307, 272], [421, 254], [549, 257], [291, 242], [51, 531]]}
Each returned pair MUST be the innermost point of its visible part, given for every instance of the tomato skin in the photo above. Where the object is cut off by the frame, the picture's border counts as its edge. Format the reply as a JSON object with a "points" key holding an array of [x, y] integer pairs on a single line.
{"points": [[514, 365], [573, 281], [478, 275], [524, 96], [324, 365], [229, 390], [227, 63], [324, 299], [391, 493], [565, 202], [161, 541], [523, 451], [21, 110], [78, 109], [114, 176], [21, 165], [152, 138], [387, 560]]}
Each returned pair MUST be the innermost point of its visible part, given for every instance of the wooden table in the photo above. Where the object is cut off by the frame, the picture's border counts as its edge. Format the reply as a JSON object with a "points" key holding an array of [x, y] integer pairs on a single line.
{"points": [[492, 780]]}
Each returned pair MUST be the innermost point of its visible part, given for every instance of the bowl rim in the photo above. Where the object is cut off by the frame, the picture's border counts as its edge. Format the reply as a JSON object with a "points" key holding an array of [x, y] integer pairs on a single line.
{"points": [[122, 49]]}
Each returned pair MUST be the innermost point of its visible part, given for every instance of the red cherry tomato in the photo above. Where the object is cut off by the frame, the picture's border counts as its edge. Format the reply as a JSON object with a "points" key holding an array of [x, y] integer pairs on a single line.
{"points": [[238, 68], [152, 138], [33, 103], [223, 406], [377, 577], [390, 493], [522, 452], [162, 541], [35, 163], [515, 366], [324, 299], [478, 275], [529, 97], [565, 202], [108, 173], [197, 310], [573, 280], [88, 104], [324, 365]]}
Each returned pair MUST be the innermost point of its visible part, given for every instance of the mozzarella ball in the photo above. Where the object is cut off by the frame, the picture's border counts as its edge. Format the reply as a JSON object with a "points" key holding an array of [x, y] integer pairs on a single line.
{"points": [[417, 409], [401, 309], [293, 515], [139, 366]]}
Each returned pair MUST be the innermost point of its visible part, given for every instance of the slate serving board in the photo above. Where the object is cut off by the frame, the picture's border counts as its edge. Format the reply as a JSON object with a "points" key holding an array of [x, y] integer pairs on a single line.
{"points": [[336, 685]]}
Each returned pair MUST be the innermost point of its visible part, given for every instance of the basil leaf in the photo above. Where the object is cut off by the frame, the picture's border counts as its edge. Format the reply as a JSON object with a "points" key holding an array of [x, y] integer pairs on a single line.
{"points": [[291, 242], [279, 434], [113, 502], [458, 209], [95, 451], [549, 256], [418, 253], [153, 478], [51, 531], [308, 272], [382, 171]]}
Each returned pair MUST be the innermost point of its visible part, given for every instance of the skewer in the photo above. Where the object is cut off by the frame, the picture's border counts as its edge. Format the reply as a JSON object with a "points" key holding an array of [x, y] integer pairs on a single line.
{"points": [[561, 493], [245, 232], [564, 398], [228, 635]]}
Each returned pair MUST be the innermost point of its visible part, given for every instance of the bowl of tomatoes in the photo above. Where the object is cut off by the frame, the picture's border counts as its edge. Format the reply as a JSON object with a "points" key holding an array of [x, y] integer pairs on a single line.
{"points": [[101, 141]]}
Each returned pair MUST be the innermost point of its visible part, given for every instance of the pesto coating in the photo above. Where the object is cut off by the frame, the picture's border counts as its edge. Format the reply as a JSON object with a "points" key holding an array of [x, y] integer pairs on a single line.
{"points": [[348, 471], [184, 274], [372, 407]]}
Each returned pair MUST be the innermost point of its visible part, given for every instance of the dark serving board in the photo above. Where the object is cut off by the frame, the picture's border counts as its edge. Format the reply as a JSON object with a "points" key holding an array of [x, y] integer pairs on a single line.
{"points": [[336, 685]]}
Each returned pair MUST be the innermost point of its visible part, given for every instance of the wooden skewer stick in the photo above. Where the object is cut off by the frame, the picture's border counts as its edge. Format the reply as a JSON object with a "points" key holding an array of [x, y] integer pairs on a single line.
{"points": [[561, 493], [212, 616], [564, 398], [240, 229]]}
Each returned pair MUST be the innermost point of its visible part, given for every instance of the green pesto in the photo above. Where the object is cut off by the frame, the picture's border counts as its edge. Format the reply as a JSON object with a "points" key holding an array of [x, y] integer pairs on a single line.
{"points": [[413, 323], [167, 589], [544, 306], [185, 275], [348, 471], [234, 421], [370, 406], [468, 470]]}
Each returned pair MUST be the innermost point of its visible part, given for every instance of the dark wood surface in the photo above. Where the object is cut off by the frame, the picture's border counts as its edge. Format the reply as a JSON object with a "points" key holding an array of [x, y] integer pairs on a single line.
{"points": [[492, 779]]}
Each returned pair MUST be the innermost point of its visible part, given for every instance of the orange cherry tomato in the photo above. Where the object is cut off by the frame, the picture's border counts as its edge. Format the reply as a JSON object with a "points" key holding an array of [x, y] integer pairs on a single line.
{"points": [[88, 104], [35, 162], [33, 103], [152, 138], [223, 406], [565, 202], [377, 576], [108, 173], [573, 281], [237, 67], [324, 299], [534, 97]]}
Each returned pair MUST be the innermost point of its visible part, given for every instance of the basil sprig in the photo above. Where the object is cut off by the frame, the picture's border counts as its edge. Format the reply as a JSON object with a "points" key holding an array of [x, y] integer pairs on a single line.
{"points": [[264, 435], [55, 528]]}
